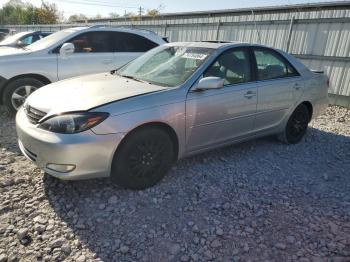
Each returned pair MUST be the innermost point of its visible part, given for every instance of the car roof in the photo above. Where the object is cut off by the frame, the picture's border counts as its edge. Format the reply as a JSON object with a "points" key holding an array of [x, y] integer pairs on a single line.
{"points": [[31, 32], [75, 29], [217, 44], [142, 32], [42, 32], [209, 44], [23, 33], [126, 30]]}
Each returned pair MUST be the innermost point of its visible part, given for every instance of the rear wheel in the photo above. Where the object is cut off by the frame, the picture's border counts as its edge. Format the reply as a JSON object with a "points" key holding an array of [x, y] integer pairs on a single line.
{"points": [[296, 126], [143, 159], [17, 91]]}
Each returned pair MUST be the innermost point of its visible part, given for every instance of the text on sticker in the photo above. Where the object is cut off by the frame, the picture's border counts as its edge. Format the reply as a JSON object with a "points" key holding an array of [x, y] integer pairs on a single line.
{"points": [[194, 56]]}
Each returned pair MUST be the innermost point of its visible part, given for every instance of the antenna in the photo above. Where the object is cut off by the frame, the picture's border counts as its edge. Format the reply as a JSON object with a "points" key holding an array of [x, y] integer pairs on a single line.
{"points": [[256, 27]]}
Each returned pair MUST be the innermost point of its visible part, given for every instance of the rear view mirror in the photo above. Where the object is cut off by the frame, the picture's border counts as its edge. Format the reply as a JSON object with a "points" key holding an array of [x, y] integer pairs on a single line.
{"points": [[210, 82], [66, 49]]}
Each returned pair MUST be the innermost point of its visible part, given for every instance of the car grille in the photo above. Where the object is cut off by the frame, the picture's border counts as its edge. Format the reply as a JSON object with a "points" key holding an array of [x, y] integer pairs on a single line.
{"points": [[33, 114]]}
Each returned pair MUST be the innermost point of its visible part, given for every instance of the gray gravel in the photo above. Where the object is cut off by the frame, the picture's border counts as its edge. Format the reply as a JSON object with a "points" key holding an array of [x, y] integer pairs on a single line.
{"points": [[256, 201]]}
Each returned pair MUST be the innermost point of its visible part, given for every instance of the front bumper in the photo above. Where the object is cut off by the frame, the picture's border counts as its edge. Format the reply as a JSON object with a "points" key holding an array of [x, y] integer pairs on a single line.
{"points": [[91, 154]]}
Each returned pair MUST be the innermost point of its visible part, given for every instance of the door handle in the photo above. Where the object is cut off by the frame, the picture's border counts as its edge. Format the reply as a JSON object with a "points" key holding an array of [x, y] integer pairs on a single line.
{"points": [[107, 61], [297, 86], [249, 94]]}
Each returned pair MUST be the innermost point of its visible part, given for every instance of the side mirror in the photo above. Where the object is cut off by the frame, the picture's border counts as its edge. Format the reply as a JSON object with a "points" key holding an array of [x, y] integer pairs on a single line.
{"points": [[20, 43], [66, 49], [210, 82]]}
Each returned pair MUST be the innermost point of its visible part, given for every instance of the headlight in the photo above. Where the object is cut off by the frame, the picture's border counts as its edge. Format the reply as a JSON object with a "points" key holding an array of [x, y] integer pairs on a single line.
{"points": [[71, 123]]}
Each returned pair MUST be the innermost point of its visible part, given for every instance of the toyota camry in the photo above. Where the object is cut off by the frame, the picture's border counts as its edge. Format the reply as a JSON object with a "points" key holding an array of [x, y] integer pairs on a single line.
{"points": [[176, 100]]}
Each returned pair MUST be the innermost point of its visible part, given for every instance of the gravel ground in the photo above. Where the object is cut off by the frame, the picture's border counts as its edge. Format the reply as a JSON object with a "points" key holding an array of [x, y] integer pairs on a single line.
{"points": [[256, 201]]}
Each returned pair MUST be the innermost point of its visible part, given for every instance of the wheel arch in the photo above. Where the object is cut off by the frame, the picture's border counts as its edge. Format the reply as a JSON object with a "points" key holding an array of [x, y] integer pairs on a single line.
{"points": [[161, 125], [38, 77], [309, 107]]}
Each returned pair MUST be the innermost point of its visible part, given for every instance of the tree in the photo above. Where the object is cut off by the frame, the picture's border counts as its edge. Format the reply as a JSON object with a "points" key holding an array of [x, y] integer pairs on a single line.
{"points": [[18, 12], [156, 11], [114, 15], [13, 12], [15, 3], [98, 16], [47, 13], [129, 14], [77, 17], [152, 12]]}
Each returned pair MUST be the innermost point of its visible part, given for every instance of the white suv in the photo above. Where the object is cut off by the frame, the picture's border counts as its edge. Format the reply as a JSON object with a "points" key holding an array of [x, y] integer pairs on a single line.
{"points": [[67, 53]]}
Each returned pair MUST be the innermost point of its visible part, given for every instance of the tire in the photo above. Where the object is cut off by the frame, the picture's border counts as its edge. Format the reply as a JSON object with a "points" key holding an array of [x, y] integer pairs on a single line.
{"points": [[296, 126], [22, 86], [143, 159]]}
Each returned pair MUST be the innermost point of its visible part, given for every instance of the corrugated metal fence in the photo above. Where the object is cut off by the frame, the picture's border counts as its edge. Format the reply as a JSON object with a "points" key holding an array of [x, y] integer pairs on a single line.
{"points": [[319, 35]]}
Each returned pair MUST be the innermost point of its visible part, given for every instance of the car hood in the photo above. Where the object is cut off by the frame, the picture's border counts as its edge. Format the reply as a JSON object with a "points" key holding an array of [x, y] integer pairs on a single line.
{"points": [[8, 50], [86, 92]]}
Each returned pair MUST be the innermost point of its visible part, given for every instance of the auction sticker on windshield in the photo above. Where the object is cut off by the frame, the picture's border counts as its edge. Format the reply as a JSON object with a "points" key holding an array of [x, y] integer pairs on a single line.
{"points": [[196, 56]]}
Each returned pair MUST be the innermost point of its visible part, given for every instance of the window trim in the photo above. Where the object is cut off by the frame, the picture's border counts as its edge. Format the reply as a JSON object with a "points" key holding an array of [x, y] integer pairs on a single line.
{"points": [[249, 57], [277, 54]]}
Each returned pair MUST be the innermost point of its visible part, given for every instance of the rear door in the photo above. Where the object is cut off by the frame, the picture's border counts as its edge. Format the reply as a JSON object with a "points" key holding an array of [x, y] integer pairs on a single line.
{"points": [[278, 87], [219, 115], [129, 46], [94, 53]]}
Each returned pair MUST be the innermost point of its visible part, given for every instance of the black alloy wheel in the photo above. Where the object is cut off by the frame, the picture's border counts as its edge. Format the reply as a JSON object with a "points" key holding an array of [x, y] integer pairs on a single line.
{"points": [[143, 159], [297, 125]]}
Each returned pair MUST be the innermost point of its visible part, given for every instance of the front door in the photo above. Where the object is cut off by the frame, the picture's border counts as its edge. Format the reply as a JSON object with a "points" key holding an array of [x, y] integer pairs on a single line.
{"points": [[219, 115], [93, 54]]}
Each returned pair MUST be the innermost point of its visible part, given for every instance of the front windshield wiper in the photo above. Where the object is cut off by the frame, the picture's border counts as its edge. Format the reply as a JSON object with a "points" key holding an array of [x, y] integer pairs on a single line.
{"points": [[114, 71], [136, 79], [129, 77]]}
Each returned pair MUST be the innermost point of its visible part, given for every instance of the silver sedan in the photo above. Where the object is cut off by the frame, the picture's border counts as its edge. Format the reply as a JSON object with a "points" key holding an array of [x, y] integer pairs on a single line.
{"points": [[176, 100]]}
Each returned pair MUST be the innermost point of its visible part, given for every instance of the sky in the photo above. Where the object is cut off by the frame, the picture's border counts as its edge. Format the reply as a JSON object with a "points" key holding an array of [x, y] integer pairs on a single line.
{"points": [[92, 8]]}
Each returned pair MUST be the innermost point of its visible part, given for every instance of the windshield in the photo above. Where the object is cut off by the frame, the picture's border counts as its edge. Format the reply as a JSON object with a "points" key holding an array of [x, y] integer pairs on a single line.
{"points": [[166, 65], [12, 39], [50, 40]]}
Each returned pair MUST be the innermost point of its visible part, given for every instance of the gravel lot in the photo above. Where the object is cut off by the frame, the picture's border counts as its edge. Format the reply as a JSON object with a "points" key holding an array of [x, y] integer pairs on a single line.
{"points": [[256, 201]]}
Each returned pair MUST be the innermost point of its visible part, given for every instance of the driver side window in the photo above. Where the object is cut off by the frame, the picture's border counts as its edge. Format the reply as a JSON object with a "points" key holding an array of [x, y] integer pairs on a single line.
{"points": [[93, 42], [90, 42], [233, 66]]}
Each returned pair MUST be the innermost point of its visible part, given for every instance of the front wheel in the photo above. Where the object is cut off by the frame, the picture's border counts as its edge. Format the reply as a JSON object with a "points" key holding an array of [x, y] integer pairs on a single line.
{"points": [[17, 91], [296, 126], [143, 159]]}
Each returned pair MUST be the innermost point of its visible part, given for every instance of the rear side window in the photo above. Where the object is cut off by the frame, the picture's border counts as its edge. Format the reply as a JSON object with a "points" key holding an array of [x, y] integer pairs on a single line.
{"points": [[270, 65], [127, 42], [93, 42], [233, 66]]}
